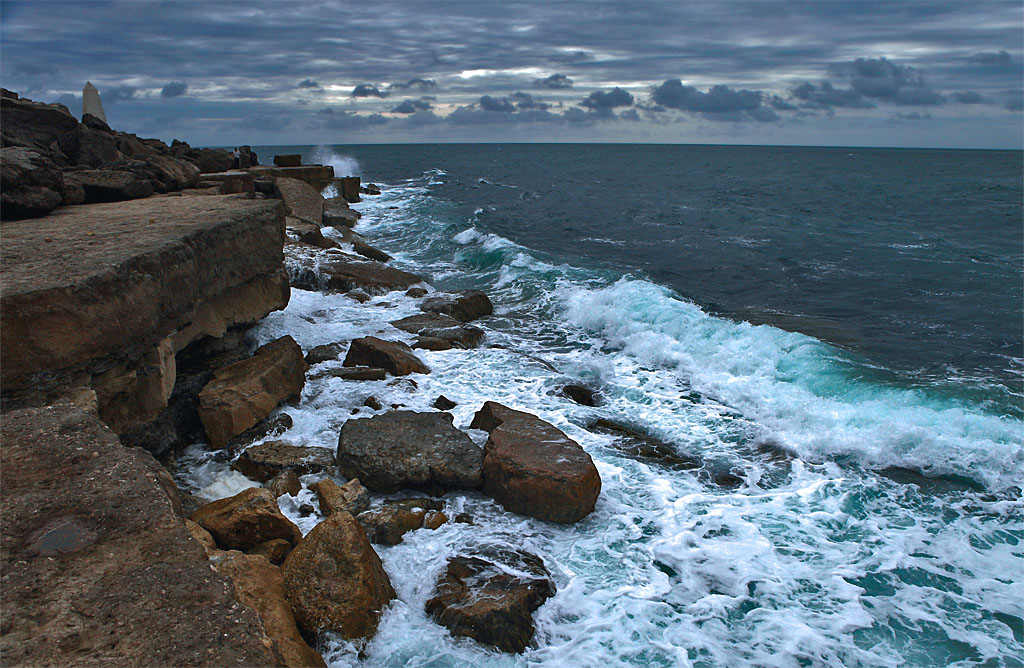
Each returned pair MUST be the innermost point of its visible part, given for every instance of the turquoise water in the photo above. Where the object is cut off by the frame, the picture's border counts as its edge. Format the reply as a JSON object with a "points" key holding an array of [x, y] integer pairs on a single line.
{"points": [[873, 516]]}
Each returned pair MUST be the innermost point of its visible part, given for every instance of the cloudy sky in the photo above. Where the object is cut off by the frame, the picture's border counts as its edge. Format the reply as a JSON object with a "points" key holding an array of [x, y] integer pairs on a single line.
{"points": [[856, 73]]}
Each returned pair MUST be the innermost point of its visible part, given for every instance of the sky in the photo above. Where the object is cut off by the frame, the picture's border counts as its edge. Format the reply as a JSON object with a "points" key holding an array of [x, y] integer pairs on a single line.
{"points": [[862, 73]]}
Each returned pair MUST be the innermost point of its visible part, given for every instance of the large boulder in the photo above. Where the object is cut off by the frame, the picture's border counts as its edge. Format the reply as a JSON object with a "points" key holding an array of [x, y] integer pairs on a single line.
{"points": [[532, 468], [265, 461], [243, 521], [437, 326], [288, 160], [107, 185], [308, 232], [386, 525], [36, 125], [259, 585], [31, 185], [333, 270], [465, 306], [348, 188], [351, 497], [335, 580], [403, 449], [360, 246], [301, 200], [244, 393], [90, 147], [337, 213], [490, 597], [393, 356]]}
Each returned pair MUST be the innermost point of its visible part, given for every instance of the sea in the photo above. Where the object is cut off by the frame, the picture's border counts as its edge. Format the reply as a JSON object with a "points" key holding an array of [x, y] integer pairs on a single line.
{"points": [[823, 345]]}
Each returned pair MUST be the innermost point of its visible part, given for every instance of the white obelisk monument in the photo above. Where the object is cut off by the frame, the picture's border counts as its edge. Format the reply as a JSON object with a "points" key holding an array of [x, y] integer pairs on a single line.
{"points": [[91, 102]]}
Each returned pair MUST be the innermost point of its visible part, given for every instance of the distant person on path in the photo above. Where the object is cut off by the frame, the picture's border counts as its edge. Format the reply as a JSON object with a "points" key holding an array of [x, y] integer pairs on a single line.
{"points": [[235, 158]]}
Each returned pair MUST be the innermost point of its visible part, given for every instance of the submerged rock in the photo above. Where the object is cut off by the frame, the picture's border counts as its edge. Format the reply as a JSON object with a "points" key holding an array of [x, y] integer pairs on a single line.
{"points": [[386, 525], [393, 356], [581, 395], [408, 449], [491, 597], [335, 580], [243, 521], [464, 306], [532, 468]]}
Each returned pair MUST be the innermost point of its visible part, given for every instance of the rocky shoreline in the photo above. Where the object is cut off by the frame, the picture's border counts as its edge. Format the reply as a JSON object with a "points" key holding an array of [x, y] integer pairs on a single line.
{"points": [[124, 342]]}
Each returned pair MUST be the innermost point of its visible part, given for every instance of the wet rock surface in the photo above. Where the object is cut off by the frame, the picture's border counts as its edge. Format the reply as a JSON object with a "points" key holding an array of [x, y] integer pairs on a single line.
{"points": [[301, 200], [351, 497], [464, 306], [335, 579], [408, 449], [336, 271], [265, 461], [93, 557], [491, 595], [386, 525], [243, 521], [438, 326], [532, 468], [393, 356]]}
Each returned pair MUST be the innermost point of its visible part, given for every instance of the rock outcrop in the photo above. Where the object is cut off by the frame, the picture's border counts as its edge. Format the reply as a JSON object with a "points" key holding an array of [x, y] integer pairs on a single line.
{"points": [[100, 298], [393, 356], [243, 521], [386, 525], [405, 449], [437, 326], [96, 567], [337, 213], [242, 394], [532, 468], [463, 306], [31, 185], [491, 596], [311, 268], [351, 497], [301, 200], [266, 461], [335, 579]]}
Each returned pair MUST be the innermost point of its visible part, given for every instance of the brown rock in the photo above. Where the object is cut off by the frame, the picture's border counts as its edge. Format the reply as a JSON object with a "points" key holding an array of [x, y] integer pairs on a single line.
{"points": [[243, 393], [308, 233], [335, 580], [434, 520], [265, 461], [230, 182], [386, 525], [358, 295], [106, 185], [202, 535], [437, 326], [373, 402], [337, 213], [416, 293], [93, 558], [349, 188], [408, 449], [581, 395], [325, 353], [334, 270], [245, 520], [479, 597], [273, 551], [393, 356], [318, 176], [532, 468], [301, 200], [443, 403], [288, 160], [465, 306], [259, 585], [31, 185], [431, 343], [285, 482], [36, 125], [351, 373], [351, 497], [272, 426]]}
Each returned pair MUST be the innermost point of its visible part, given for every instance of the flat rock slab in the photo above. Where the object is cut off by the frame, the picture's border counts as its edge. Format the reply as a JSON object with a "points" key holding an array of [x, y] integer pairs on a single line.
{"points": [[332, 270], [490, 596], [88, 288], [403, 449], [439, 326], [393, 356], [464, 306], [94, 559], [265, 461], [532, 468]]}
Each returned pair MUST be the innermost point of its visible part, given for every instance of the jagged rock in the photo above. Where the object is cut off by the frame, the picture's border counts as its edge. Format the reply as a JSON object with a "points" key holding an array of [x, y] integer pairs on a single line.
{"points": [[373, 402], [265, 461], [434, 520], [386, 525], [301, 200], [478, 596], [643, 447], [416, 293], [393, 356], [370, 189], [285, 482], [358, 295], [36, 125], [259, 585], [309, 233], [93, 557], [532, 468], [333, 270], [432, 343], [122, 288], [581, 395], [230, 182], [335, 580], [351, 497], [465, 306], [202, 535], [437, 326], [243, 521], [208, 160], [325, 353], [351, 373], [243, 393], [443, 403], [274, 426], [407, 449], [288, 160], [348, 187], [421, 502], [90, 147], [103, 185], [273, 551], [337, 213], [31, 185]]}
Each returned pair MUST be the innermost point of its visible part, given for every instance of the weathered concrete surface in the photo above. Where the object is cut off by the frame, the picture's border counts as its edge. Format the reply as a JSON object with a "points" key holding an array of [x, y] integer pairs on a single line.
{"points": [[97, 567], [102, 296]]}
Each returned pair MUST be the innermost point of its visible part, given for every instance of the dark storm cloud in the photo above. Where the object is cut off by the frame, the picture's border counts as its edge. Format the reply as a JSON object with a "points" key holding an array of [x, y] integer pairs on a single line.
{"points": [[112, 96], [883, 79], [501, 104], [419, 84], [366, 90], [969, 97], [825, 95], [174, 89], [600, 100], [574, 57], [992, 58], [308, 83], [1014, 101], [526, 101], [674, 95], [346, 120], [914, 116], [555, 81], [412, 106]]}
